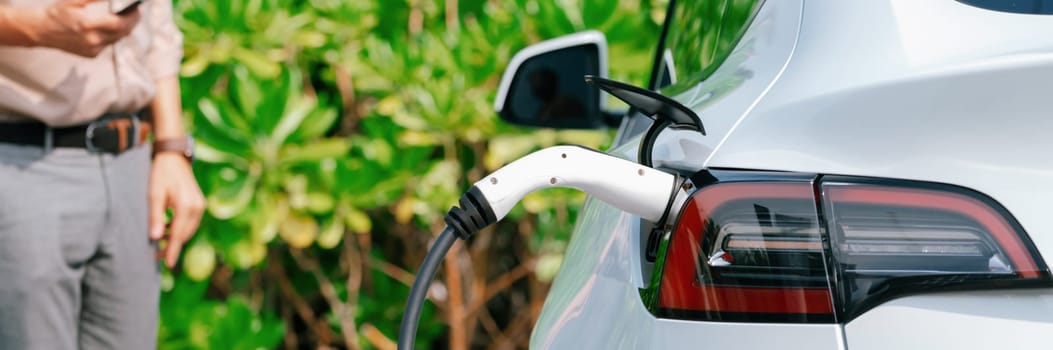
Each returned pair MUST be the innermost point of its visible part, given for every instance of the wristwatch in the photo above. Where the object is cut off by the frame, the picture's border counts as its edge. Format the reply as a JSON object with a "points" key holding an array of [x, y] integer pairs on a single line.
{"points": [[182, 145]]}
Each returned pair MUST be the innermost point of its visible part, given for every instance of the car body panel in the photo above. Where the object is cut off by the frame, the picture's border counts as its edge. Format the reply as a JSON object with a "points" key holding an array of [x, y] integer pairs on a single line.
{"points": [[901, 89], [1016, 319], [734, 88], [601, 275], [889, 107], [935, 95]]}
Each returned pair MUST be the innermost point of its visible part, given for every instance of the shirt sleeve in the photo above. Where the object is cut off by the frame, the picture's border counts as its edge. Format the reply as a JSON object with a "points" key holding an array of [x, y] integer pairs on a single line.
{"points": [[166, 47]]}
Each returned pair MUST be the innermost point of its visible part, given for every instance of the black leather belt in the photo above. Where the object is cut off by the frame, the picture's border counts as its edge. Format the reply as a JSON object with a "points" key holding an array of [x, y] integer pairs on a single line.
{"points": [[111, 133]]}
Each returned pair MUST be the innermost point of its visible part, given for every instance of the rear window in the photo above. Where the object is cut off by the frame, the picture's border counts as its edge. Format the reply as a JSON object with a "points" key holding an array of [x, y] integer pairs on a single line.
{"points": [[1034, 7], [701, 35]]}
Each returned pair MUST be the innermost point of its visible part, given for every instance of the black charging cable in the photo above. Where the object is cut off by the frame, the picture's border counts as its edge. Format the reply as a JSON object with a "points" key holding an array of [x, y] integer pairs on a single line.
{"points": [[473, 214]]}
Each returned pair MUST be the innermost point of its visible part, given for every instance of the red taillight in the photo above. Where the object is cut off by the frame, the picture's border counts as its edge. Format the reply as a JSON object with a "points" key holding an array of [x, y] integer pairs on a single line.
{"points": [[766, 249], [961, 214], [898, 238], [747, 251]]}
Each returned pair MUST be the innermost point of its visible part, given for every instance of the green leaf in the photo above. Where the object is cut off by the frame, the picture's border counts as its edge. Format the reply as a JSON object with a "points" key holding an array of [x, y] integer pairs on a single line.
{"points": [[298, 230], [279, 95], [205, 152], [256, 62], [357, 221], [292, 118], [273, 209], [247, 93], [331, 234], [316, 124], [315, 151], [320, 202], [194, 65], [199, 260], [246, 254], [233, 195], [213, 127]]}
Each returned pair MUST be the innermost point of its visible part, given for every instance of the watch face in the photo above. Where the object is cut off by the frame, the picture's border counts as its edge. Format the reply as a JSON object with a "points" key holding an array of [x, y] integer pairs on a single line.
{"points": [[189, 151]]}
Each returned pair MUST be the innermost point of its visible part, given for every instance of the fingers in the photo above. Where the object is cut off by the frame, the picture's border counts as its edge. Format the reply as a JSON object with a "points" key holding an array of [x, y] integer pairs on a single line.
{"points": [[172, 186], [156, 211], [112, 27], [87, 31], [130, 20], [186, 215], [79, 27]]}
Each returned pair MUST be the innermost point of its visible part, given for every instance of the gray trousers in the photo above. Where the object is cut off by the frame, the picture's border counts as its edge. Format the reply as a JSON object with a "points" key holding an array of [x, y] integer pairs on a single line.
{"points": [[77, 268]]}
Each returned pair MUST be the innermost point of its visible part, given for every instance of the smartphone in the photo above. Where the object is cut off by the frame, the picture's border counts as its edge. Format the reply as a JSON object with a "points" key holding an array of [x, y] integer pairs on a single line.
{"points": [[131, 7]]}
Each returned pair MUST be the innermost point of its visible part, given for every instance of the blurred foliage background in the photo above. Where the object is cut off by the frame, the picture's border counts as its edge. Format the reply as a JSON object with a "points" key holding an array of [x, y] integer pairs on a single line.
{"points": [[332, 137]]}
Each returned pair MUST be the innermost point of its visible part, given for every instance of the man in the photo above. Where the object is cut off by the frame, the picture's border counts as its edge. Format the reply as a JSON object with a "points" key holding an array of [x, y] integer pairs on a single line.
{"points": [[81, 204]]}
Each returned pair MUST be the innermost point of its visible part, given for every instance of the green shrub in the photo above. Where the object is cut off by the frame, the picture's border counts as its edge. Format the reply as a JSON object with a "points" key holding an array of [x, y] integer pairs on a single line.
{"points": [[333, 135]]}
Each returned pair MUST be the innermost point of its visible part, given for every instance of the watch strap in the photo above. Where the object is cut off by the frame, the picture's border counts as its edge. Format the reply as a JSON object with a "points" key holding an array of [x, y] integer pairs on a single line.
{"points": [[181, 145]]}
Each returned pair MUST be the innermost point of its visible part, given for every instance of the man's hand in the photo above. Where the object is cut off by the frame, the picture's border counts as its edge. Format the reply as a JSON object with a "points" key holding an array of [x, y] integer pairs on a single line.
{"points": [[172, 185], [67, 25]]}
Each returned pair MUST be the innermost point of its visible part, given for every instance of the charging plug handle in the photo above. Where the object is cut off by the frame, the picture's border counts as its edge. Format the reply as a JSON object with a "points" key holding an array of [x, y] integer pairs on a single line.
{"points": [[631, 187]]}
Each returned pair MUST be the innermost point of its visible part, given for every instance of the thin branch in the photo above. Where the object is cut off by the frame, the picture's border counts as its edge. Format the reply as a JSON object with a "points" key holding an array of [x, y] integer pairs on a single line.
{"points": [[291, 340], [538, 290], [303, 310], [346, 87], [221, 280], [515, 330], [393, 271], [376, 338], [347, 320], [416, 20], [452, 26], [365, 245], [501, 283], [404, 277], [476, 290], [455, 312], [353, 258], [490, 325], [505, 280]]}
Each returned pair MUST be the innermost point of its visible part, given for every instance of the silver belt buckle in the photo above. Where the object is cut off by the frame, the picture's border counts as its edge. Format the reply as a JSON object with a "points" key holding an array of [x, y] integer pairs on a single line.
{"points": [[49, 139], [89, 135]]}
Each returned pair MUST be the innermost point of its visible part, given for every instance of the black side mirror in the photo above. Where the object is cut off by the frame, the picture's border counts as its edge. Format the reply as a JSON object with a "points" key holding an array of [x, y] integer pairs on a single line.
{"points": [[544, 86]]}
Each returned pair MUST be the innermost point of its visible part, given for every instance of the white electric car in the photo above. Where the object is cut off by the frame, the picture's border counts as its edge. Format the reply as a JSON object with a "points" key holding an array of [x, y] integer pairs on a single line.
{"points": [[873, 174]]}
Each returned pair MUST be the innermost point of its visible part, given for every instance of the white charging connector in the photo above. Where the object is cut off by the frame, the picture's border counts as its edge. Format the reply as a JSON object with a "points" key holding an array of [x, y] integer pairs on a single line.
{"points": [[631, 187]]}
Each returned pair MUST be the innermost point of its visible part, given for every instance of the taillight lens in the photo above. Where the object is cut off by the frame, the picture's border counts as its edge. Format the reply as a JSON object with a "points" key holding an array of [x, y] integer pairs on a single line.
{"points": [[896, 238], [747, 252], [771, 250]]}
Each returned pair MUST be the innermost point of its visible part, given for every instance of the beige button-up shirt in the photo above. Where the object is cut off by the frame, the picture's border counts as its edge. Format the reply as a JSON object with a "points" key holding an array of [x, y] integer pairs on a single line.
{"points": [[62, 89]]}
